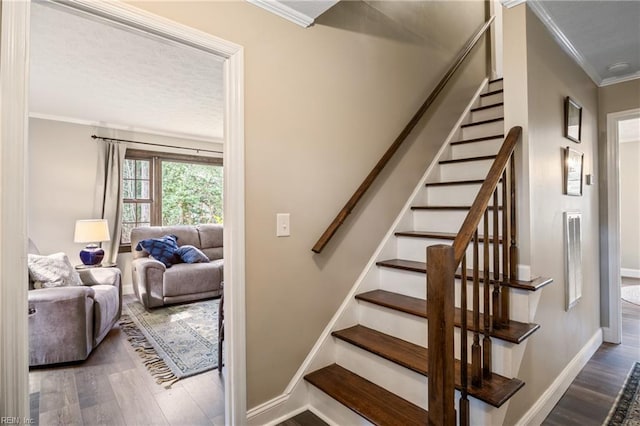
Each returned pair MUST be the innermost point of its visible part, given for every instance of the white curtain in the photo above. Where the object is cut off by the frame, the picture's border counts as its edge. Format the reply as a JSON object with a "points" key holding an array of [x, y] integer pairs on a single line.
{"points": [[108, 204]]}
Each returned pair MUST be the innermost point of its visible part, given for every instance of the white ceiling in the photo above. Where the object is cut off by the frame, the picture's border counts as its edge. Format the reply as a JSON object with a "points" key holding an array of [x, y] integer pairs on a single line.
{"points": [[597, 34], [90, 70]]}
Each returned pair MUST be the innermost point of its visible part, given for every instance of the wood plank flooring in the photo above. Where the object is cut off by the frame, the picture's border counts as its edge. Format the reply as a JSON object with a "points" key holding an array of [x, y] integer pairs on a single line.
{"points": [[113, 388], [593, 392]]}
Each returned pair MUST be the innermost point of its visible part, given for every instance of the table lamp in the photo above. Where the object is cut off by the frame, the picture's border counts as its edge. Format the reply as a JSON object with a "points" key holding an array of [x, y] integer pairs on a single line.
{"points": [[91, 231]]}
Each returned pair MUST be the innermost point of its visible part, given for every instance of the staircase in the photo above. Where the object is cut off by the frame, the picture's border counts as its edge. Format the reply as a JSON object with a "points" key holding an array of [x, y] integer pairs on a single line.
{"points": [[378, 348]]}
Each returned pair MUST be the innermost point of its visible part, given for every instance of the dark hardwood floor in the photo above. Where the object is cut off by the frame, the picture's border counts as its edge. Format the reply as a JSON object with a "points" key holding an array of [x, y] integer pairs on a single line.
{"points": [[593, 392], [112, 387]]}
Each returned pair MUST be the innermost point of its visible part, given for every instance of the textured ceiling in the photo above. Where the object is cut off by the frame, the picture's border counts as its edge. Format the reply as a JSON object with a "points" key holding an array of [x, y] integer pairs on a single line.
{"points": [[90, 70], [598, 34]]}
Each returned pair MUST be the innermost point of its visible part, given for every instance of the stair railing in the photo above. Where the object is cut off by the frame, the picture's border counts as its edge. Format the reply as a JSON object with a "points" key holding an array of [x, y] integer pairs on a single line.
{"points": [[373, 174], [442, 263]]}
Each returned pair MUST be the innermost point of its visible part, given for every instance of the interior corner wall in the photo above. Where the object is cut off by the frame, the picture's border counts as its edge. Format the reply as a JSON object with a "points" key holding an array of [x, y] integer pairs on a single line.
{"points": [[516, 113], [612, 98], [62, 164], [630, 205], [551, 76], [62, 180], [322, 104]]}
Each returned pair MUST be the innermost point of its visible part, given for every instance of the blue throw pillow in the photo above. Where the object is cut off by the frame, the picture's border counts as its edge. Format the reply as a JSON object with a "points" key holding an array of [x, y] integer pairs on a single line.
{"points": [[162, 249], [191, 254]]}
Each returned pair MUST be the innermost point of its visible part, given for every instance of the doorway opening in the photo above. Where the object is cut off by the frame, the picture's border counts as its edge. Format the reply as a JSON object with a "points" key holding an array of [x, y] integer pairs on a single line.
{"points": [[15, 118], [622, 250]]}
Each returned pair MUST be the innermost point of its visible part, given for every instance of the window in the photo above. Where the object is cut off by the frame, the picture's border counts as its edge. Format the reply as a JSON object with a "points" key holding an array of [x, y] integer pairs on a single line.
{"points": [[137, 201], [169, 189]]}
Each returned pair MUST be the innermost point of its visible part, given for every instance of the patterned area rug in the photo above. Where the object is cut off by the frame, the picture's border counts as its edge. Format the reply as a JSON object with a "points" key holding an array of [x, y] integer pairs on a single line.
{"points": [[175, 341], [626, 410], [631, 294]]}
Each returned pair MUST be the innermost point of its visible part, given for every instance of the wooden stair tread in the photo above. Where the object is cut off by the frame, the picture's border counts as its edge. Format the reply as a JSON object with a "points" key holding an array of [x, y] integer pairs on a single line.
{"points": [[421, 267], [484, 138], [438, 235], [495, 391], [495, 80], [480, 108], [515, 332], [479, 123], [468, 159], [374, 403], [493, 92], [447, 207], [456, 182]]}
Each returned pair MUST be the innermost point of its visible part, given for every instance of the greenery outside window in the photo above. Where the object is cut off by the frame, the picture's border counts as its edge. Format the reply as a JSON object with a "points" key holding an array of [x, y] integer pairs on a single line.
{"points": [[169, 189]]}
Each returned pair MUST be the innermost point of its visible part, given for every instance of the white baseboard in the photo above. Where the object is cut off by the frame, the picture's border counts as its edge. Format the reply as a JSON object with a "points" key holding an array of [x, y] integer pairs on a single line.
{"points": [[268, 412], [630, 273], [543, 406]]}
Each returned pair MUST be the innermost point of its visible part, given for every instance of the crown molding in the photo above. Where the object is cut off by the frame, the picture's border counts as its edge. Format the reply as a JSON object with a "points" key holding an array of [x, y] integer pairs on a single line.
{"points": [[133, 129], [511, 3], [538, 8], [284, 11], [615, 80]]}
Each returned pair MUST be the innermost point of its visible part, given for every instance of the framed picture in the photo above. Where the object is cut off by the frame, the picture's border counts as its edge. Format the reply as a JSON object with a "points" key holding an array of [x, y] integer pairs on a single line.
{"points": [[573, 166], [572, 120]]}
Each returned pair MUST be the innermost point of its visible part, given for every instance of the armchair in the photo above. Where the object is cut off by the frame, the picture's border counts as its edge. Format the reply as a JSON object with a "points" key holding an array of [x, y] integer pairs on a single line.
{"points": [[67, 323]]}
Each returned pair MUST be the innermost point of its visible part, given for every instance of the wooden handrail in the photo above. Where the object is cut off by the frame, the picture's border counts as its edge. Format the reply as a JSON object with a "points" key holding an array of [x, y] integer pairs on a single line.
{"points": [[471, 222], [373, 174]]}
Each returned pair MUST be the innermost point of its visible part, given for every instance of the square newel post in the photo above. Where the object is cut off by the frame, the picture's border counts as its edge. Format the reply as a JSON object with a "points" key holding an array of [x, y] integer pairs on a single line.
{"points": [[440, 310]]}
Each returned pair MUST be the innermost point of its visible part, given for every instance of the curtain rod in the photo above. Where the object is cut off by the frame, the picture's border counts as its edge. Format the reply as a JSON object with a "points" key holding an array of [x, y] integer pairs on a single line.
{"points": [[155, 144]]}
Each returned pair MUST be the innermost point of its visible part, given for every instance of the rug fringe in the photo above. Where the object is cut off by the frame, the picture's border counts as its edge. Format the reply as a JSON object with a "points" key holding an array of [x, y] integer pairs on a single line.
{"points": [[150, 358]]}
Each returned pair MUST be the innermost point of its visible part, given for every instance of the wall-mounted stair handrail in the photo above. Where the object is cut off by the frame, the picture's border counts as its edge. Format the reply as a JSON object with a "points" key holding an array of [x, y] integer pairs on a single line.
{"points": [[368, 181], [442, 263]]}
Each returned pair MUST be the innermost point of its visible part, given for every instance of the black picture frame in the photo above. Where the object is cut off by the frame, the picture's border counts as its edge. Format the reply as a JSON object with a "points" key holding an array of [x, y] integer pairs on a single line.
{"points": [[572, 120], [573, 171]]}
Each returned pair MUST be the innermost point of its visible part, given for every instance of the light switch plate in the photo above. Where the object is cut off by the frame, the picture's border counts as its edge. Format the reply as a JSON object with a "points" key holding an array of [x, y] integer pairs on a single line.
{"points": [[282, 225]]}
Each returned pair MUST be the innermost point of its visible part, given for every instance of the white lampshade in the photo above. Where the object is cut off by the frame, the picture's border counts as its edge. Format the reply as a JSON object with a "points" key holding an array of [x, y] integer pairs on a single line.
{"points": [[91, 231]]}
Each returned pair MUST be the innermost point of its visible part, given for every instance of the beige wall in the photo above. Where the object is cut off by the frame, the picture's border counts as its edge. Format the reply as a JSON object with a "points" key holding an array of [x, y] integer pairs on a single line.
{"points": [[630, 205], [62, 181], [552, 75], [321, 106]]}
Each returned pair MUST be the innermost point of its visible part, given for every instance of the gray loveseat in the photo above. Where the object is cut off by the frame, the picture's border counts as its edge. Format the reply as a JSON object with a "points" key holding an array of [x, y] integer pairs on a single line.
{"points": [[67, 323], [156, 285]]}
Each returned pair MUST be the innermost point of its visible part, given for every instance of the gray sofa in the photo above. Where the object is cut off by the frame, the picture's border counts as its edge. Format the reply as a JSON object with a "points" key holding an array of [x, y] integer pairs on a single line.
{"points": [[67, 323], [156, 285]]}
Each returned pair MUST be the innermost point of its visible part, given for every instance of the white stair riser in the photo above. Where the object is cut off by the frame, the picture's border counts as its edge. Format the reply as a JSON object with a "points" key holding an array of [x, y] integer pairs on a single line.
{"points": [[468, 170], [333, 410], [401, 381], [487, 113], [475, 149], [482, 130], [414, 284], [411, 248], [408, 283], [395, 378], [491, 99], [458, 195], [418, 334], [389, 321], [495, 85], [448, 220]]}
